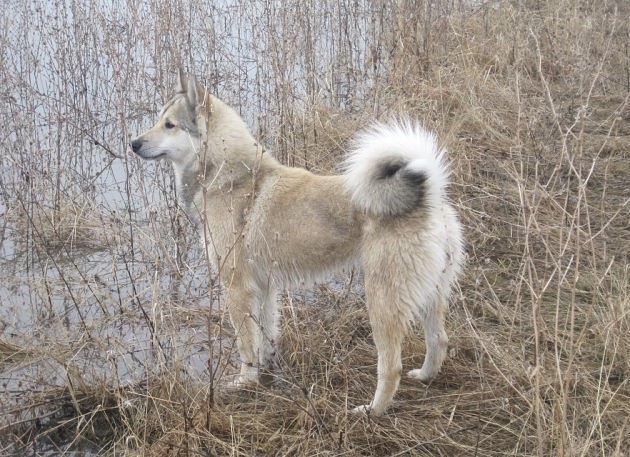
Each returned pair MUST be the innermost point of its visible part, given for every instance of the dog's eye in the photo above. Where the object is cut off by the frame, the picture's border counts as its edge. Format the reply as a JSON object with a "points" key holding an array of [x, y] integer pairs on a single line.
{"points": [[169, 125]]}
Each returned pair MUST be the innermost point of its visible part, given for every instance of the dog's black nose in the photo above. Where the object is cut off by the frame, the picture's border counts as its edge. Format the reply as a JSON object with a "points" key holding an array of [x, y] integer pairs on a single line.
{"points": [[136, 145]]}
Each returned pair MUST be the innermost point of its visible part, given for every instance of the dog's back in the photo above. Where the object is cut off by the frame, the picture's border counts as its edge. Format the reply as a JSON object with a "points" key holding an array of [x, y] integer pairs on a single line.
{"points": [[302, 227]]}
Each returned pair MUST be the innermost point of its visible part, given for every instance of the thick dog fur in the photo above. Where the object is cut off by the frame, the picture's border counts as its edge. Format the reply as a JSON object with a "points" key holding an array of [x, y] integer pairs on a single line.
{"points": [[268, 227]]}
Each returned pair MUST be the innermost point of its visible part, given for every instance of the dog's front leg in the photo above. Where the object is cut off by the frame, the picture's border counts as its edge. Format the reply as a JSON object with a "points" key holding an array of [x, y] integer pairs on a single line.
{"points": [[243, 306]]}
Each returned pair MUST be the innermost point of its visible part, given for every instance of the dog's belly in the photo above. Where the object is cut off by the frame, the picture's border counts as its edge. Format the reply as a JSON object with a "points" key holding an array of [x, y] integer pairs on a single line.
{"points": [[301, 257]]}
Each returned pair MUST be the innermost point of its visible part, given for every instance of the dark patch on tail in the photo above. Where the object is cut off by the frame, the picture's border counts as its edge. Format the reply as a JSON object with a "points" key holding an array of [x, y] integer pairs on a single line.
{"points": [[398, 190], [415, 178], [390, 169], [416, 182]]}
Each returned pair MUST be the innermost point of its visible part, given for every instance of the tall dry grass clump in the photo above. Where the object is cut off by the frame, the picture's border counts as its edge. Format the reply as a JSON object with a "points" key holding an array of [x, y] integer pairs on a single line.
{"points": [[113, 339]]}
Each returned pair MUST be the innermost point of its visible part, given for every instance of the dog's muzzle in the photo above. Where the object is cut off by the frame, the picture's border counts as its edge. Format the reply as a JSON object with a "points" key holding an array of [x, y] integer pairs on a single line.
{"points": [[136, 145]]}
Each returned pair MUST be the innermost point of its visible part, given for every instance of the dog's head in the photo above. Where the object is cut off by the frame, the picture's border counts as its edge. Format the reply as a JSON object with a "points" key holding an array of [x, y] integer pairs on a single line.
{"points": [[181, 126]]}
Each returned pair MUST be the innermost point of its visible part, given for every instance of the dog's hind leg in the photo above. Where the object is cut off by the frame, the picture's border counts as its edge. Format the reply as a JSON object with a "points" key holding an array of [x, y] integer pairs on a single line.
{"points": [[389, 328], [436, 341]]}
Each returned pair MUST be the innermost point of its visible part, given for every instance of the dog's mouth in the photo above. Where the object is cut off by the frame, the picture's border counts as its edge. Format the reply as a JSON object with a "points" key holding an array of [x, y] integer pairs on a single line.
{"points": [[139, 147], [150, 157]]}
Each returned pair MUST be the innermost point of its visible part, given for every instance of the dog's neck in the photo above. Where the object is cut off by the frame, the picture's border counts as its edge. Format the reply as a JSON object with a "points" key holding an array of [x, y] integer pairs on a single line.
{"points": [[188, 182], [221, 160]]}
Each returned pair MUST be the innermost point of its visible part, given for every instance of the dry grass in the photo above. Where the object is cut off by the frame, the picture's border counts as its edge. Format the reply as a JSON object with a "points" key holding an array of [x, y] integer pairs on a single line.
{"points": [[105, 349]]}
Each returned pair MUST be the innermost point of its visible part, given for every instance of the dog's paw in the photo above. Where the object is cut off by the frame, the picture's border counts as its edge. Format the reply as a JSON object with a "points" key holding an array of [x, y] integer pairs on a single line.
{"points": [[420, 375], [367, 410], [361, 410], [240, 382]]}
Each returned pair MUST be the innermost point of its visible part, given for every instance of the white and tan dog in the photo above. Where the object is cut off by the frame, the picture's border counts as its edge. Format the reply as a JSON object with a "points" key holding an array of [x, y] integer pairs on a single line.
{"points": [[268, 226]]}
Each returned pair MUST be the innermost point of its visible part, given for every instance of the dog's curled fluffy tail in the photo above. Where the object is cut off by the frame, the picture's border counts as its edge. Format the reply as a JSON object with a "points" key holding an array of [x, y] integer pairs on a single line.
{"points": [[394, 168]]}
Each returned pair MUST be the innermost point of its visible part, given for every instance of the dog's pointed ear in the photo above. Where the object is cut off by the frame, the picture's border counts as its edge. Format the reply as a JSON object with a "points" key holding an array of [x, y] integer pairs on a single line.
{"points": [[180, 86], [191, 91]]}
